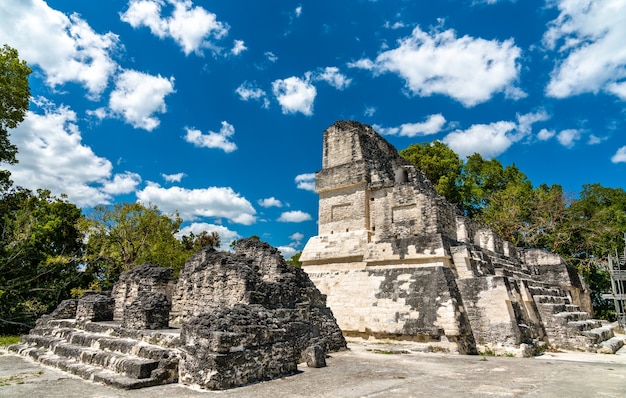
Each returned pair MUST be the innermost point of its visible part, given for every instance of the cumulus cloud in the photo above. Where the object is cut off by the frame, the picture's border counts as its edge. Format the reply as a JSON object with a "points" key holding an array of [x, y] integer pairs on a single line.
{"points": [[250, 91], [215, 202], [590, 37], [545, 134], [294, 216], [52, 156], [306, 181], [295, 94], [492, 139], [226, 235], [66, 48], [137, 96], [334, 77], [270, 202], [219, 140], [173, 177], [487, 139], [191, 27], [569, 137], [432, 125], [469, 70], [620, 156], [122, 183], [238, 47]]}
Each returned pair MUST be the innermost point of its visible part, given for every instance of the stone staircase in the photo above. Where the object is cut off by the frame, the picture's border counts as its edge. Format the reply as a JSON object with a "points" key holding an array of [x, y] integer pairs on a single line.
{"points": [[566, 326], [104, 352]]}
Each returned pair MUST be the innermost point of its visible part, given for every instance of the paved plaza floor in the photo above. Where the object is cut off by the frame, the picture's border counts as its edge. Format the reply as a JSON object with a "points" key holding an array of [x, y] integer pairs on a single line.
{"points": [[369, 371]]}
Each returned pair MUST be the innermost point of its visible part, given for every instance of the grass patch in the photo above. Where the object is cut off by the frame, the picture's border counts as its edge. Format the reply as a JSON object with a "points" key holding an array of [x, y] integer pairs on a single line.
{"points": [[8, 340]]}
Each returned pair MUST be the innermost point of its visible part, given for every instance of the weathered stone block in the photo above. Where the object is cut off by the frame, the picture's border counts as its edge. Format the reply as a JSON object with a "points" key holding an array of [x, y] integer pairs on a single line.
{"points": [[314, 356], [150, 310], [95, 308]]}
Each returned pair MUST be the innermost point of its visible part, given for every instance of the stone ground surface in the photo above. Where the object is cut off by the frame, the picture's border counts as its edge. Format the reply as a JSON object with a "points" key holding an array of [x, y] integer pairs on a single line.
{"points": [[369, 370]]}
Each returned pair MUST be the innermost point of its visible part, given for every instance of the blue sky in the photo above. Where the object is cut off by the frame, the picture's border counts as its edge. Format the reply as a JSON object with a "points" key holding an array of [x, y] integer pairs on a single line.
{"points": [[216, 109]]}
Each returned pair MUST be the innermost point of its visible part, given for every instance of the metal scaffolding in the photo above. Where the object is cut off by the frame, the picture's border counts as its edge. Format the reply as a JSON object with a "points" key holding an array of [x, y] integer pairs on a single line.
{"points": [[617, 271]]}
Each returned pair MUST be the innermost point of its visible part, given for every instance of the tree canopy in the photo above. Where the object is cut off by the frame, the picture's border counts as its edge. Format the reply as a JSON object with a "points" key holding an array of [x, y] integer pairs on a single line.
{"points": [[125, 235], [40, 253], [14, 100]]}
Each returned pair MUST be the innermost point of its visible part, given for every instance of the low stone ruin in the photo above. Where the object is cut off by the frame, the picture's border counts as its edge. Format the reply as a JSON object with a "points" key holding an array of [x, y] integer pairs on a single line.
{"points": [[236, 318], [397, 261]]}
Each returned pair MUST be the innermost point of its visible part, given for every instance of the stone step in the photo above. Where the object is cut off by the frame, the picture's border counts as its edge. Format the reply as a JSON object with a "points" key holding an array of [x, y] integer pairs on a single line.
{"points": [[586, 325], [572, 316], [557, 308], [541, 299], [88, 353], [545, 291], [600, 334]]}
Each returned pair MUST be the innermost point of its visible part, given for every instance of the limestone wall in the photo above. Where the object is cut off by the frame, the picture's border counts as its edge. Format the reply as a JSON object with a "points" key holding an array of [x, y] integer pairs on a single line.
{"points": [[396, 259]]}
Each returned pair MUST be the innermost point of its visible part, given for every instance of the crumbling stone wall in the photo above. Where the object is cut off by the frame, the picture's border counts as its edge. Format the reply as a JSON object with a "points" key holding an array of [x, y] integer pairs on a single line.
{"points": [[248, 316], [145, 277]]}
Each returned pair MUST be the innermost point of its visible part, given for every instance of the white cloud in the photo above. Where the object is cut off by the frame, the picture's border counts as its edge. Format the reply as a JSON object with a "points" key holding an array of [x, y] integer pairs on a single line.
{"points": [[190, 26], [568, 137], [270, 56], [52, 156], [287, 251], [137, 96], [294, 216], [226, 235], [545, 134], [487, 139], [215, 202], [296, 237], [66, 48], [247, 91], [122, 183], [332, 76], [238, 47], [295, 94], [590, 36], [173, 177], [213, 140], [306, 181], [270, 202], [470, 70], [432, 125], [525, 121], [369, 111], [298, 11], [620, 156], [395, 25]]}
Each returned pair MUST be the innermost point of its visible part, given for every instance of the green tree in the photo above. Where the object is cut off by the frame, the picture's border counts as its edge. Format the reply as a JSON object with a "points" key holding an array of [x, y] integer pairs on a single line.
{"points": [[126, 235], [40, 252], [193, 242], [14, 100], [295, 260], [441, 165]]}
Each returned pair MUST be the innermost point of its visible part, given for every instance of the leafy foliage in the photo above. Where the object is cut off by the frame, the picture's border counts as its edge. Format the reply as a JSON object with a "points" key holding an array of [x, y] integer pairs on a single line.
{"points": [[14, 99], [125, 235], [40, 252]]}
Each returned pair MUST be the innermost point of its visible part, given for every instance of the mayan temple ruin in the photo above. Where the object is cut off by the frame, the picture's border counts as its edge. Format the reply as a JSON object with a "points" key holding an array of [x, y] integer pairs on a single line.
{"points": [[229, 320], [393, 260], [397, 261]]}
